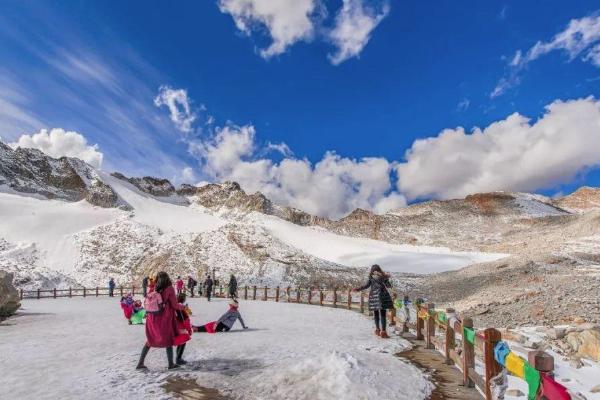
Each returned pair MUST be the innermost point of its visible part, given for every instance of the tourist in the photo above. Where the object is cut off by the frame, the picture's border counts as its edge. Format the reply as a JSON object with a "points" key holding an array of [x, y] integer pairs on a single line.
{"points": [[191, 284], [232, 287], [184, 328], [379, 298], [161, 323], [225, 323], [145, 286], [208, 286], [111, 287], [179, 285]]}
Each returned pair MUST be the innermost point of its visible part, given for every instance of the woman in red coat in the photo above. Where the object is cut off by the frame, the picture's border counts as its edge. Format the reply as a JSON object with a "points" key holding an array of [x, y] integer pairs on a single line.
{"points": [[161, 324]]}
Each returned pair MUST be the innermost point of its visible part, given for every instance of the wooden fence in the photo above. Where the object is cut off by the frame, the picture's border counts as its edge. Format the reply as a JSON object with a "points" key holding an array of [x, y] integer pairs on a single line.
{"points": [[440, 330]]}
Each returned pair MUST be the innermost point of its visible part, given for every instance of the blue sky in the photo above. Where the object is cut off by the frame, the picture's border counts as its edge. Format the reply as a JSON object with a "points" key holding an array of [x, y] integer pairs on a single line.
{"points": [[360, 78]]}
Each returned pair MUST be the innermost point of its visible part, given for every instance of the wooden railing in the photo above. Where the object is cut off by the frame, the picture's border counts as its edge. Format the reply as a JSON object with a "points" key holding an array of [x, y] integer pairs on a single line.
{"points": [[440, 330]]}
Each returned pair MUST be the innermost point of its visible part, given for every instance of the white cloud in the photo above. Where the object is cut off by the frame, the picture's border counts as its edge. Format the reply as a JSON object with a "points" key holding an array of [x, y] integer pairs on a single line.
{"points": [[511, 154], [463, 105], [58, 143], [581, 37], [354, 23], [287, 21], [176, 100], [188, 175], [332, 187]]}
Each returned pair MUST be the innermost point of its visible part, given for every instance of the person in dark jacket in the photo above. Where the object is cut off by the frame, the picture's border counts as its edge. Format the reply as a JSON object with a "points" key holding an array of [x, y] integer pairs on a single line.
{"points": [[379, 298], [145, 286], [191, 284], [208, 286], [232, 287], [111, 287]]}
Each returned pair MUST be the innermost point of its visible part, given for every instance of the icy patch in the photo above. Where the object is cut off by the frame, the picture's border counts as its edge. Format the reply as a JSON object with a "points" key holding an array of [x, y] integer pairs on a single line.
{"points": [[536, 206]]}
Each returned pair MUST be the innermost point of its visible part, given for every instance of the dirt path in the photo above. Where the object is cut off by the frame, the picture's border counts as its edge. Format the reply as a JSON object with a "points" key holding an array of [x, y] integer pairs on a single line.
{"points": [[188, 389], [446, 378]]}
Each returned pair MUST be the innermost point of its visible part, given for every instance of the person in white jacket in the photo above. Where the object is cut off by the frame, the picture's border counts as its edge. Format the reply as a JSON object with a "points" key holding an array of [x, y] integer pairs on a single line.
{"points": [[225, 323]]}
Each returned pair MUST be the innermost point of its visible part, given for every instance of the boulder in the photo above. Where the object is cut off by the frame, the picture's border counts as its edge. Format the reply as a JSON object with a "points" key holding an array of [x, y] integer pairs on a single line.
{"points": [[590, 344], [9, 296]]}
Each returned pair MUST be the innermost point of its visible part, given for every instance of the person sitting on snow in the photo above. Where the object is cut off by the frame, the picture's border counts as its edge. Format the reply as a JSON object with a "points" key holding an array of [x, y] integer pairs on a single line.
{"points": [[226, 321], [184, 328], [132, 309]]}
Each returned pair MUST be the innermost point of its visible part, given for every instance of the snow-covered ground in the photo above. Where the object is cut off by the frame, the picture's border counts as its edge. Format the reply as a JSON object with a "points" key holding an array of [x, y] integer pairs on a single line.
{"points": [[360, 252], [83, 348]]}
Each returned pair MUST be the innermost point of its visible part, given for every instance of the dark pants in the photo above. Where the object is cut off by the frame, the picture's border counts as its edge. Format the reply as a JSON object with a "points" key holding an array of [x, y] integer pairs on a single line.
{"points": [[208, 293], [379, 315], [220, 328], [145, 290], [111, 291], [191, 291]]}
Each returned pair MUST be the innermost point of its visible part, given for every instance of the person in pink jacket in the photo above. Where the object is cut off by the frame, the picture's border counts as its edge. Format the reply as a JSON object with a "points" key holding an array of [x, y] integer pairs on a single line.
{"points": [[161, 322], [179, 285]]}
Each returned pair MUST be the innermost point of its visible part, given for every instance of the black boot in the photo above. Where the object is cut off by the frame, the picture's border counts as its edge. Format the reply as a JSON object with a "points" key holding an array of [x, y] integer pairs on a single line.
{"points": [[141, 365], [170, 358], [180, 359]]}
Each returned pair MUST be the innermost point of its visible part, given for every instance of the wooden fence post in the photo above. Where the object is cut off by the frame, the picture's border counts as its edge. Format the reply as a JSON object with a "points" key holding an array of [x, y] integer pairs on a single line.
{"points": [[38, 294], [132, 290], [492, 368], [246, 292], [70, 292], [54, 292], [277, 294], [393, 309], [430, 325], [84, 291], [21, 293], [468, 353], [449, 343], [541, 361], [349, 299], [310, 295], [321, 297], [220, 290], [420, 324], [121, 290], [298, 294], [362, 303], [287, 292], [266, 294], [253, 292], [334, 297], [97, 291]]}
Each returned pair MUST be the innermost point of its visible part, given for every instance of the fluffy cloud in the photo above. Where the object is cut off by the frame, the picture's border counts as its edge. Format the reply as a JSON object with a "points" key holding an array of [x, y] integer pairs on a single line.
{"points": [[176, 100], [353, 26], [58, 143], [511, 154], [287, 21], [581, 37], [332, 187]]}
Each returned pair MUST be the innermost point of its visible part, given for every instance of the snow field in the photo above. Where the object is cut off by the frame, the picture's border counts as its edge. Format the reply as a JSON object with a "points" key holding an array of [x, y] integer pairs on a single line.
{"points": [[84, 348], [360, 252]]}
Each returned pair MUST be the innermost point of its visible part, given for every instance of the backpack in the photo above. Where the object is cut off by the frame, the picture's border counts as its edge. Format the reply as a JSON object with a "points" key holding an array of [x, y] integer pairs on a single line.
{"points": [[154, 303]]}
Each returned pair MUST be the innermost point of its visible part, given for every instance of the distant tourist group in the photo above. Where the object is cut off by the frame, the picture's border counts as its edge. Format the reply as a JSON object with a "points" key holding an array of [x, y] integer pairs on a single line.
{"points": [[167, 314]]}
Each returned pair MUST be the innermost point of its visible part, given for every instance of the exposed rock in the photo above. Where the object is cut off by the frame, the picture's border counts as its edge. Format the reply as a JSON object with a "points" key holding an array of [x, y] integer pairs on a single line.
{"points": [[582, 200], [148, 184], [9, 297], [595, 389], [556, 333], [102, 195], [514, 393], [589, 344]]}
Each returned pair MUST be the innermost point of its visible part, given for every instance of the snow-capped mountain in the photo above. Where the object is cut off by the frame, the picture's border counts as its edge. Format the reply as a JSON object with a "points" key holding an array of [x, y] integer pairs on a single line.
{"points": [[65, 223]]}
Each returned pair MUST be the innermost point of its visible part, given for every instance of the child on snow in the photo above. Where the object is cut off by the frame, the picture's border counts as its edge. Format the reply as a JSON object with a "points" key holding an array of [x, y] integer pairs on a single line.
{"points": [[184, 328], [132, 309], [225, 323]]}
